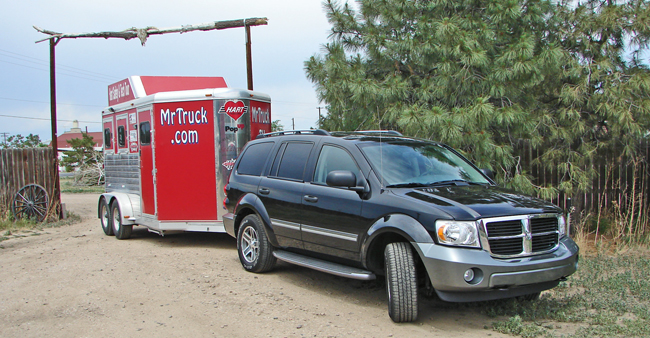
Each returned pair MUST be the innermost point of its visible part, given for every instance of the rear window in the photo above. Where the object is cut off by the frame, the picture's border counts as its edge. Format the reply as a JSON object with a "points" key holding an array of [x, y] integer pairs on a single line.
{"points": [[107, 138], [121, 137], [294, 160], [253, 159], [145, 133]]}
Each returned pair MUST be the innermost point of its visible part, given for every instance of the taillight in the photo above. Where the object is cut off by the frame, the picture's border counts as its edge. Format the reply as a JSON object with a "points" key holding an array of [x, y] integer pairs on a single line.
{"points": [[225, 193]]}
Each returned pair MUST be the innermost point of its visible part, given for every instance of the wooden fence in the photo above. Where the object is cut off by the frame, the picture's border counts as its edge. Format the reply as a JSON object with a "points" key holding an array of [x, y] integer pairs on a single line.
{"points": [[620, 182], [20, 167]]}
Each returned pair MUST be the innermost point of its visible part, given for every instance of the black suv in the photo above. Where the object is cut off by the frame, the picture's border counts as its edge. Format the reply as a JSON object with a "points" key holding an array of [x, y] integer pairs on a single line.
{"points": [[376, 203]]}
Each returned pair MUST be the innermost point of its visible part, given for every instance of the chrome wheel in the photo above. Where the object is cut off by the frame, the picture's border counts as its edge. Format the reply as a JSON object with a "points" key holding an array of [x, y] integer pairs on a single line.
{"points": [[250, 244], [253, 247]]}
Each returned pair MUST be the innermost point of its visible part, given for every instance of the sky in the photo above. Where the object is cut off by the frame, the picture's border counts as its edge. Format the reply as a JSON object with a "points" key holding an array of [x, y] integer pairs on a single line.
{"points": [[297, 29]]}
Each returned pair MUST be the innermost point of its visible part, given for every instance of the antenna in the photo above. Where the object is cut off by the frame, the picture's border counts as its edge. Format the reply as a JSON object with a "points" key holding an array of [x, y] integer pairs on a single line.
{"points": [[381, 154]]}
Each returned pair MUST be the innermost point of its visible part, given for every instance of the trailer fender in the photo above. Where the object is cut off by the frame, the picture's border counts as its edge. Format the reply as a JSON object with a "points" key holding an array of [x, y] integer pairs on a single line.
{"points": [[124, 203], [387, 229], [248, 204]]}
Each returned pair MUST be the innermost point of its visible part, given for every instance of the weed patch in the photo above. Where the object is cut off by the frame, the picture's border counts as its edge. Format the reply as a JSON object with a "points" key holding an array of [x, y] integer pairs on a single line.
{"points": [[609, 296], [22, 228], [68, 186]]}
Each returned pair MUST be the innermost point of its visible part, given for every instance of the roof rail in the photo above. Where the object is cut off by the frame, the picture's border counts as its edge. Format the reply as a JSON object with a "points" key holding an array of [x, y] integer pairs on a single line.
{"points": [[295, 132], [386, 132]]}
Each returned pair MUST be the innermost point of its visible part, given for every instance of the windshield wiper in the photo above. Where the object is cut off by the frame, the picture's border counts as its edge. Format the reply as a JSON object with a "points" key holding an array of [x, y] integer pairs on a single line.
{"points": [[453, 182], [407, 185]]}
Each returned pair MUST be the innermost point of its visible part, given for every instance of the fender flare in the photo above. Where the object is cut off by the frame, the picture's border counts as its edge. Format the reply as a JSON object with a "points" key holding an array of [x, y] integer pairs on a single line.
{"points": [[123, 202], [400, 224], [252, 202]]}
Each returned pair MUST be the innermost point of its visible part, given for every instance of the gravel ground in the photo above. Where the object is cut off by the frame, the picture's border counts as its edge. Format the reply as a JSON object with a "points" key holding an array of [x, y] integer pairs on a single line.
{"points": [[74, 281]]}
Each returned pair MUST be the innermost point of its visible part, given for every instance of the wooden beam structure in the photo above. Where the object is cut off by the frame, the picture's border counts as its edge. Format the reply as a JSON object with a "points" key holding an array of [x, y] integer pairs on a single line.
{"points": [[144, 33]]}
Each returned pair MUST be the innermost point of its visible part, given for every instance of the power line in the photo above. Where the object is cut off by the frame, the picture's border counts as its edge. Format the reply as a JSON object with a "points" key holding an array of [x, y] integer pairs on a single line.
{"points": [[46, 63], [58, 104], [79, 77], [44, 119]]}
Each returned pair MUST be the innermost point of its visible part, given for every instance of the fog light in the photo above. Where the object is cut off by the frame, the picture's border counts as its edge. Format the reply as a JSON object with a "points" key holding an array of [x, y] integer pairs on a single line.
{"points": [[469, 275]]}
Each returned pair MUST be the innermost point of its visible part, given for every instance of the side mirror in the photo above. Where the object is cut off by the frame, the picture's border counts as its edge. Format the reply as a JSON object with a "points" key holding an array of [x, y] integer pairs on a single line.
{"points": [[341, 178], [489, 173]]}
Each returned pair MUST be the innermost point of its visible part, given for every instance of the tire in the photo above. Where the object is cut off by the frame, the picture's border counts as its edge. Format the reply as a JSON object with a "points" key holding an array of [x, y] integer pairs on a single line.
{"points": [[120, 230], [255, 250], [105, 217], [401, 282]]}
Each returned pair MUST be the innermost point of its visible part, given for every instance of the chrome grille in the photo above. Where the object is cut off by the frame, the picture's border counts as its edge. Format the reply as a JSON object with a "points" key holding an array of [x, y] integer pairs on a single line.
{"points": [[521, 235]]}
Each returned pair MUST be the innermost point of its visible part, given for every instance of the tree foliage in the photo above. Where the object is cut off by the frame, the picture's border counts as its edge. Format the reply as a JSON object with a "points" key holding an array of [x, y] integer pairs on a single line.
{"points": [[82, 153], [18, 141], [276, 126], [484, 76]]}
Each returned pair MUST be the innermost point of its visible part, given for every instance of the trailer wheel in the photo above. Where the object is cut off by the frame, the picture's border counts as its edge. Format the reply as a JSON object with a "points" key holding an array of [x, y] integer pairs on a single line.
{"points": [[105, 217], [401, 282], [255, 250], [121, 231]]}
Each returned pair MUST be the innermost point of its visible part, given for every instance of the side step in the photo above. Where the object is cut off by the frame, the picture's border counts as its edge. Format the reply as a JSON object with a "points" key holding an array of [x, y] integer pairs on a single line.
{"points": [[324, 266]]}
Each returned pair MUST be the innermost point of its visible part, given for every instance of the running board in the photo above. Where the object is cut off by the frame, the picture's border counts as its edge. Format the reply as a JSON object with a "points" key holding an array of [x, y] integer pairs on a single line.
{"points": [[324, 266]]}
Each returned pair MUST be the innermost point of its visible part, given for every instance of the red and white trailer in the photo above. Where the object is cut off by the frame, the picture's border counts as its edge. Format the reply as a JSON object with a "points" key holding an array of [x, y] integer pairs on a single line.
{"points": [[169, 146]]}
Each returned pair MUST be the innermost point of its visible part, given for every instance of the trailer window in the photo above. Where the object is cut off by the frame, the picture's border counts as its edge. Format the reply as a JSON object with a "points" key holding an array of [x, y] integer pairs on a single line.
{"points": [[145, 133], [107, 138], [121, 137], [252, 161]]}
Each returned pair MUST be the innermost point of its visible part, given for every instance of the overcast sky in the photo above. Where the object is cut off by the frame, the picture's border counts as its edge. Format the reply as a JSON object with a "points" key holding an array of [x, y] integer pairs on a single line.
{"points": [[85, 67]]}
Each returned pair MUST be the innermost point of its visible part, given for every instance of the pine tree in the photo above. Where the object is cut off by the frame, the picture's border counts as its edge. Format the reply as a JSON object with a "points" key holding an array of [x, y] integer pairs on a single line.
{"points": [[82, 153], [485, 76]]}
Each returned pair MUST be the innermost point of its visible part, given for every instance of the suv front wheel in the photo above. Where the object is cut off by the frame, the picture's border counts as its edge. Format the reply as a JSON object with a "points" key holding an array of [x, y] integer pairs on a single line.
{"points": [[401, 282], [255, 251]]}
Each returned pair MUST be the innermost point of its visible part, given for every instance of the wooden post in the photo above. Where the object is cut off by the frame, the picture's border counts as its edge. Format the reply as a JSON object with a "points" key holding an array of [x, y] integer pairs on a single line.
{"points": [[56, 199], [249, 57]]}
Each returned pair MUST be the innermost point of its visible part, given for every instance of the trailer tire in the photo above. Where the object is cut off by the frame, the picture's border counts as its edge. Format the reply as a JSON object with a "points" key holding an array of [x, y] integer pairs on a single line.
{"points": [[121, 231], [105, 217], [401, 282], [255, 250]]}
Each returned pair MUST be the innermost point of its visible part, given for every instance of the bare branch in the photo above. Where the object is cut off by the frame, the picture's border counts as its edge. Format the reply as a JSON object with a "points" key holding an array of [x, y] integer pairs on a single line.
{"points": [[144, 33]]}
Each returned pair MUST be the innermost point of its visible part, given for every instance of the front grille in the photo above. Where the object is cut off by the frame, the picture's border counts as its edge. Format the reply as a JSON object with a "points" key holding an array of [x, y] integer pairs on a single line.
{"points": [[505, 228], [522, 235], [543, 224], [509, 246], [544, 242]]}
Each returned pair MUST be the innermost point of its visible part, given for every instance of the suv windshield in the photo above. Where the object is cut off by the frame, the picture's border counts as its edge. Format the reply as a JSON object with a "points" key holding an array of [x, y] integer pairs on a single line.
{"points": [[414, 163]]}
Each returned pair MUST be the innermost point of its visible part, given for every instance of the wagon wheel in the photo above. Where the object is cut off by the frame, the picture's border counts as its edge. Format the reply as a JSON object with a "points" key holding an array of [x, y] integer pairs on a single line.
{"points": [[30, 202]]}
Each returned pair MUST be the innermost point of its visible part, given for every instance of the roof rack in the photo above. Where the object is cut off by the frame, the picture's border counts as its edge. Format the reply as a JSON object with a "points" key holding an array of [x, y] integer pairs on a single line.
{"points": [[295, 132], [386, 132]]}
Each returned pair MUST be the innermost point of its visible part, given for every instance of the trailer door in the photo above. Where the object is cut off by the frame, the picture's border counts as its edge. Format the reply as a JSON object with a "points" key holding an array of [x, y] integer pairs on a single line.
{"points": [[147, 174]]}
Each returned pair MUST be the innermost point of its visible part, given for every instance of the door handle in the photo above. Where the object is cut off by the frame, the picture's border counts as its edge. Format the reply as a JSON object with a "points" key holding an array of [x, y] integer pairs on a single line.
{"points": [[311, 199], [264, 191]]}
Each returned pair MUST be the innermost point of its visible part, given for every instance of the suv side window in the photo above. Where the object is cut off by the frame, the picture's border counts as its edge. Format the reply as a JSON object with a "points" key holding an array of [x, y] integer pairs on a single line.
{"points": [[333, 158], [252, 161], [294, 159]]}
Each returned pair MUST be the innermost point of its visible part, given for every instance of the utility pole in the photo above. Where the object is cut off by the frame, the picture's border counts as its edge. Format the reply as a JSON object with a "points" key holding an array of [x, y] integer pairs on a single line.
{"points": [[5, 137], [319, 116]]}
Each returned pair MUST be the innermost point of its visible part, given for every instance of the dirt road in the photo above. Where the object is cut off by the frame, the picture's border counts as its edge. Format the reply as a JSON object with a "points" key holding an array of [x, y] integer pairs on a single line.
{"points": [[74, 281]]}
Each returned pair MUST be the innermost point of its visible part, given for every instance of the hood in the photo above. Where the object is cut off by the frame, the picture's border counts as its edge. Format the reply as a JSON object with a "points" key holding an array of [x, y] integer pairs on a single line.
{"points": [[473, 201]]}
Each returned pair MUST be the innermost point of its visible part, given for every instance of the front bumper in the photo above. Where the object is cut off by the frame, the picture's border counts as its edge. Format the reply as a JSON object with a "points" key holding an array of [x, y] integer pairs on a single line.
{"points": [[494, 278]]}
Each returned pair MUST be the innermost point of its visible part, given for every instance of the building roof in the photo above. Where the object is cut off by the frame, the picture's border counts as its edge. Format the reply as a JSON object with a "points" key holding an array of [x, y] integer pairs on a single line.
{"points": [[62, 140]]}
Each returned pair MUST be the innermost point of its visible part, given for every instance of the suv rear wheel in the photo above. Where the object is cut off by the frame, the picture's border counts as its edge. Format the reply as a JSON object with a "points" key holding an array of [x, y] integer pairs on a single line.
{"points": [[255, 251], [401, 282]]}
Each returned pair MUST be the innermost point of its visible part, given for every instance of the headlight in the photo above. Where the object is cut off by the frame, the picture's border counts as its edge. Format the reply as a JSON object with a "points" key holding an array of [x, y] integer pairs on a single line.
{"points": [[457, 233], [561, 226]]}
